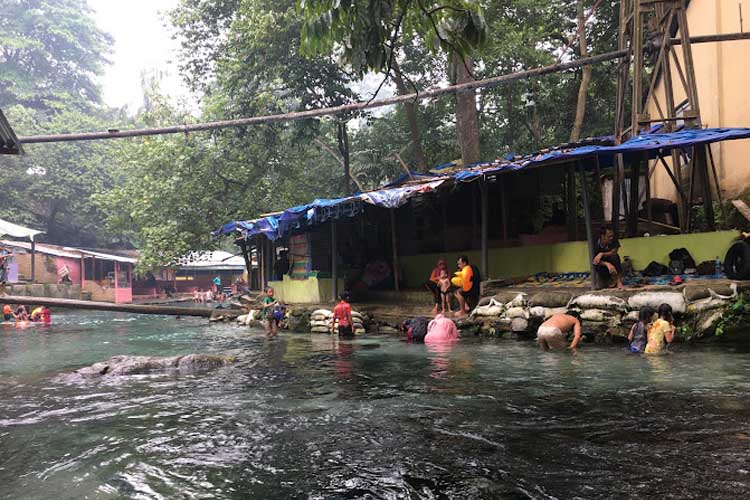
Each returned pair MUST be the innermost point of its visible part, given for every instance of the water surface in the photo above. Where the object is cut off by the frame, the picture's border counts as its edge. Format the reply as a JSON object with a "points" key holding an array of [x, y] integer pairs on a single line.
{"points": [[306, 416]]}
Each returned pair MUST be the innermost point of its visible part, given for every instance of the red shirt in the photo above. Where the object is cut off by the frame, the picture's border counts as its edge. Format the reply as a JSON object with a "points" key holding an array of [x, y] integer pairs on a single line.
{"points": [[343, 313]]}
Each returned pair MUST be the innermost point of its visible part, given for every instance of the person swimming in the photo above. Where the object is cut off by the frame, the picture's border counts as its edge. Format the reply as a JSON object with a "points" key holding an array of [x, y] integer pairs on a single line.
{"points": [[638, 336]]}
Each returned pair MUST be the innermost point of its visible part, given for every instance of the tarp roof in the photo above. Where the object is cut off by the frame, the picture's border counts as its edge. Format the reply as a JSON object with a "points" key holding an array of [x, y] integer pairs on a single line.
{"points": [[9, 144], [16, 231], [45, 249], [599, 154], [217, 260]]}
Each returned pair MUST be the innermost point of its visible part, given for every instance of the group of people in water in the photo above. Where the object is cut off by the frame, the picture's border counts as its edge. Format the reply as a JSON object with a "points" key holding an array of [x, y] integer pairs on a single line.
{"points": [[651, 334], [40, 314]]}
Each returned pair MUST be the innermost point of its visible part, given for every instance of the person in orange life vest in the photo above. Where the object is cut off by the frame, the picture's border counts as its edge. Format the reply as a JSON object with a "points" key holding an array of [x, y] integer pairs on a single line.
{"points": [[468, 287], [343, 313]]}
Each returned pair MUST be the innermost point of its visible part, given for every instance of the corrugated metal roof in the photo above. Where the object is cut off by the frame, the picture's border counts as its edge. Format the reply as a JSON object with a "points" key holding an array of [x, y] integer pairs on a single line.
{"points": [[9, 144], [45, 249]]}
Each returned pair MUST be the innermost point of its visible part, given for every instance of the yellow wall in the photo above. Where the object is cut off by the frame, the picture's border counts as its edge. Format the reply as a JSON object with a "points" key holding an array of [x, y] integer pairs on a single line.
{"points": [[309, 291], [721, 77], [572, 257]]}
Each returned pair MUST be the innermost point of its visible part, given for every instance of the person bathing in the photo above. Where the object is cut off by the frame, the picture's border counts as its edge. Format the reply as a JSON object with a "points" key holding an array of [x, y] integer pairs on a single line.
{"points": [[551, 334], [662, 329], [638, 336]]}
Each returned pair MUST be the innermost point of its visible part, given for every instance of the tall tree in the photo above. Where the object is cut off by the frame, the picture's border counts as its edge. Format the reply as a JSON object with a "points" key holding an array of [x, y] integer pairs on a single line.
{"points": [[368, 33], [50, 53]]}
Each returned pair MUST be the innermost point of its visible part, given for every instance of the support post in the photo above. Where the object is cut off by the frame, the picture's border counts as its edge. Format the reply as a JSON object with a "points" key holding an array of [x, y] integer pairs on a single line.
{"points": [[587, 218], [571, 205], [617, 175], [334, 263], [504, 208], [261, 263], [634, 198], [246, 256], [649, 208], [394, 243], [485, 227], [700, 161], [33, 261]]}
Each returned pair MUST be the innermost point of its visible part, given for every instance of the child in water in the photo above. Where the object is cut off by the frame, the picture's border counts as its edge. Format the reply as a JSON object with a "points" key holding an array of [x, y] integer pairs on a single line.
{"points": [[445, 285], [638, 335], [268, 312], [662, 329], [343, 314]]}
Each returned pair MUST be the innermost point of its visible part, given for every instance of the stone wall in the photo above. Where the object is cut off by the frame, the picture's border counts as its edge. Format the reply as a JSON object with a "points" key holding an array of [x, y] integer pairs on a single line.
{"points": [[45, 290]]}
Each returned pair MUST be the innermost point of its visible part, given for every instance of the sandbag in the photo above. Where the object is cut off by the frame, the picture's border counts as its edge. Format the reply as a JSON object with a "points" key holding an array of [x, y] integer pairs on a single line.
{"points": [[319, 317], [242, 318], [654, 299], [518, 301], [517, 312], [320, 323], [324, 312], [491, 309], [320, 329], [597, 315], [356, 314], [537, 312], [519, 325], [359, 331], [595, 301]]}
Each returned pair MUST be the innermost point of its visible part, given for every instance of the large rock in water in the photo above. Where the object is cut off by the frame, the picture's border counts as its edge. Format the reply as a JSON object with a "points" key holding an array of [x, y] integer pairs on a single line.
{"points": [[118, 366]]}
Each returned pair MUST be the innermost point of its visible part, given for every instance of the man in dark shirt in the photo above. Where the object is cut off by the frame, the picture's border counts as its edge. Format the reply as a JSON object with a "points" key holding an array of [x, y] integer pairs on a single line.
{"points": [[607, 263]]}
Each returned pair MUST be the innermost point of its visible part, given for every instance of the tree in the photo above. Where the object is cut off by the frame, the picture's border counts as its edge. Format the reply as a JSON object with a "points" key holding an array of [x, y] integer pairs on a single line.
{"points": [[368, 33], [50, 53]]}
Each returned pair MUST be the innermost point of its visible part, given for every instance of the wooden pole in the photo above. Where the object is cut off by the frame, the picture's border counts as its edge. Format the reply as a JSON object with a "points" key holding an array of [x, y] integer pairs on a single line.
{"points": [[394, 243], [334, 263], [109, 306], [618, 174], [635, 174], [571, 205], [485, 226], [700, 161], [358, 106], [33, 261], [261, 263], [587, 218], [719, 196]]}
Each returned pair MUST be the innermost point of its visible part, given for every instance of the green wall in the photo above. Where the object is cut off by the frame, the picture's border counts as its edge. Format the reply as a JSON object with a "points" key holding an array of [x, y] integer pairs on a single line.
{"points": [[312, 290], [571, 257]]}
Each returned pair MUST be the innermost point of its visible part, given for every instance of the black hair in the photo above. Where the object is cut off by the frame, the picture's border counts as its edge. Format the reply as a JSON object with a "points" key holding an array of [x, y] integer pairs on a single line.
{"points": [[465, 259], [605, 227], [665, 312], [575, 314], [345, 296], [646, 314]]}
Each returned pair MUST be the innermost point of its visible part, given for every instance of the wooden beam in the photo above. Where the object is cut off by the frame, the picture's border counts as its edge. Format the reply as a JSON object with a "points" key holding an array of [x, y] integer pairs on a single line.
{"points": [[33, 261], [203, 312], [635, 174]]}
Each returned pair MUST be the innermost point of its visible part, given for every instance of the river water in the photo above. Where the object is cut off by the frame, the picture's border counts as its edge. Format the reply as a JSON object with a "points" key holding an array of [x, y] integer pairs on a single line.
{"points": [[306, 416]]}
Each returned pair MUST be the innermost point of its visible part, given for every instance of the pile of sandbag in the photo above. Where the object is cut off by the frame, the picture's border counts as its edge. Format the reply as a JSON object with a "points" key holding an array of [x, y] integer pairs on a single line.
{"points": [[251, 318], [320, 322]]}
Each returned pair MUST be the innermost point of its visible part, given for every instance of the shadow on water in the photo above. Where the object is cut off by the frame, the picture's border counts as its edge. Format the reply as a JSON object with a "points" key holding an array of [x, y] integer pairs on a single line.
{"points": [[312, 416]]}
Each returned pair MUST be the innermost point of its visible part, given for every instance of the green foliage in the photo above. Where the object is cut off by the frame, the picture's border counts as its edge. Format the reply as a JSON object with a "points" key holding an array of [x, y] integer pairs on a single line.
{"points": [[50, 52], [365, 32], [734, 316]]}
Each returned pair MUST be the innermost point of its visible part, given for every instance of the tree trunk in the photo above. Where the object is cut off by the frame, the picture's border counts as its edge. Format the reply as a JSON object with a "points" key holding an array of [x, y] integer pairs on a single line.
{"points": [[575, 134], [343, 140], [467, 121], [410, 108]]}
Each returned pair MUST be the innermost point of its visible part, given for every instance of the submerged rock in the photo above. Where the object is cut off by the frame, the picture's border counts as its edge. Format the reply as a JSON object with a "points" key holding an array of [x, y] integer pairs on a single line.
{"points": [[118, 366]]}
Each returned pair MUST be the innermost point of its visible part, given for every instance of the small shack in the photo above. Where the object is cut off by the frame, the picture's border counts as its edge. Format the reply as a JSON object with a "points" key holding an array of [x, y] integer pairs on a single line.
{"points": [[77, 273], [200, 268]]}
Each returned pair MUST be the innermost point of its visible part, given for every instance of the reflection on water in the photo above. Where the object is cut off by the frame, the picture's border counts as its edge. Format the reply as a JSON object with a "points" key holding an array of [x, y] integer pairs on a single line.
{"points": [[310, 416]]}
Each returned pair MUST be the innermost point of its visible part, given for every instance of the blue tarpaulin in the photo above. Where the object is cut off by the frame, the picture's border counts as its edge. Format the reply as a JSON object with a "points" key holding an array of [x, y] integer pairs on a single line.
{"points": [[394, 195]]}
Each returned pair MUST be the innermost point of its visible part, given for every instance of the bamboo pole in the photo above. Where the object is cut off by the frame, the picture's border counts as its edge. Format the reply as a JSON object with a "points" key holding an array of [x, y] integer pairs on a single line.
{"points": [[203, 312]]}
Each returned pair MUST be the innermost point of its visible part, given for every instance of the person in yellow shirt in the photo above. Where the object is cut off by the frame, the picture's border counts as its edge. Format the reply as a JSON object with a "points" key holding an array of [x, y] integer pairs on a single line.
{"points": [[661, 330]]}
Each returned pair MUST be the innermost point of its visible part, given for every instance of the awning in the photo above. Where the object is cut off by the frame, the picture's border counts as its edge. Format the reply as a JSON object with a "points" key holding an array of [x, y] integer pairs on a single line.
{"points": [[16, 231], [599, 153]]}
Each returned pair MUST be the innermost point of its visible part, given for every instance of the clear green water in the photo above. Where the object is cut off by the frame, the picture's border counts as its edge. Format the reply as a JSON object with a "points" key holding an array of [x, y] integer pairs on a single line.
{"points": [[308, 417]]}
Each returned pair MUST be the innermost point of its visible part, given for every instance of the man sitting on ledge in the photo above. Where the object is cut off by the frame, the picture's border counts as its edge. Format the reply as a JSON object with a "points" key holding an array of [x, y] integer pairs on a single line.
{"points": [[607, 265], [467, 280]]}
